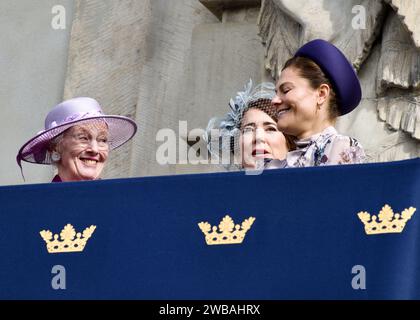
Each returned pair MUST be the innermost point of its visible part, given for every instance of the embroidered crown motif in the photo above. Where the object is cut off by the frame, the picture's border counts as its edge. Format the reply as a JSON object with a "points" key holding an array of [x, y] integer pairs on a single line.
{"points": [[70, 240], [228, 233], [388, 222]]}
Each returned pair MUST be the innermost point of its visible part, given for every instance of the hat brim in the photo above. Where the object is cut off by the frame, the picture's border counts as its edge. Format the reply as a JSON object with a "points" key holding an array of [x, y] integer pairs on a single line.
{"points": [[120, 130]]}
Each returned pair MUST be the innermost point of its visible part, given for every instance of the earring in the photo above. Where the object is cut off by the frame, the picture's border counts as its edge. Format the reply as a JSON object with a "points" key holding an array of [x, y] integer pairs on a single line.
{"points": [[55, 156]]}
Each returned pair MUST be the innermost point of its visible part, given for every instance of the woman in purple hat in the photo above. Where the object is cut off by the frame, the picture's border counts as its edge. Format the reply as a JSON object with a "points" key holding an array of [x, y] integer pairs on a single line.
{"points": [[77, 139], [315, 87]]}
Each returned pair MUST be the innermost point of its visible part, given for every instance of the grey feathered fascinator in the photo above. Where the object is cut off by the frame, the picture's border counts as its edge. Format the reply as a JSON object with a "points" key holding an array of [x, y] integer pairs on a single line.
{"points": [[222, 133]]}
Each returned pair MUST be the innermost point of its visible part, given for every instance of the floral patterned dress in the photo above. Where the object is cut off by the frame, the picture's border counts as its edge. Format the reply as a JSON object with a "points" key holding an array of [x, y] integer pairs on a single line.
{"points": [[325, 148]]}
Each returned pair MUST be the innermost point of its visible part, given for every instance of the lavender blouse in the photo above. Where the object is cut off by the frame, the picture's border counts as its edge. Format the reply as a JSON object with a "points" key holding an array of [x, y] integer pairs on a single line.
{"points": [[325, 148]]}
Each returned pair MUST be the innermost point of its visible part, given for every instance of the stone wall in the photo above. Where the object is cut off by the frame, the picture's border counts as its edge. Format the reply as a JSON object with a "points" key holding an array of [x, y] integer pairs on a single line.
{"points": [[161, 62], [33, 59]]}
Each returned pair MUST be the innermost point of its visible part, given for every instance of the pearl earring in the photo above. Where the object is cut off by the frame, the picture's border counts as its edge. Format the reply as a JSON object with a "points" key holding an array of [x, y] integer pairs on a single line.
{"points": [[55, 156]]}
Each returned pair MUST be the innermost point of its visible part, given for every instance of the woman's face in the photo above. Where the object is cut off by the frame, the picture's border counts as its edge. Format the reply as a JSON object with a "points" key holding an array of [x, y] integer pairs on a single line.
{"points": [[260, 138], [297, 104], [84, 150]]}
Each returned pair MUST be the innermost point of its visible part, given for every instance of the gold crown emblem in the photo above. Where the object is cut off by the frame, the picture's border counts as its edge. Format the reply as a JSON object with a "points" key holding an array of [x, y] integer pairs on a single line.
{"points": [[388, 221], [229, 232], [70, 240]]}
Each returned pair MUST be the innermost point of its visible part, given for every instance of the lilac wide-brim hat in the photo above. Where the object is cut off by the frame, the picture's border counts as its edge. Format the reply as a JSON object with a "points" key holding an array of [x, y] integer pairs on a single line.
{"points": [[338, 69], [67, 114]]}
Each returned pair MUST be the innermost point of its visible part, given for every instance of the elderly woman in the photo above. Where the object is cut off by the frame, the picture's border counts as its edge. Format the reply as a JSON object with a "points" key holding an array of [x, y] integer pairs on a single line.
{"points": [[315, 87], [77, 139], [248, 137]]}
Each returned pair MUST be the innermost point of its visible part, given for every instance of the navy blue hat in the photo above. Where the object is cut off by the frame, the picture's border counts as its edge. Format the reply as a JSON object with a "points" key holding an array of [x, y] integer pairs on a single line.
{"points": [[338, 70]]}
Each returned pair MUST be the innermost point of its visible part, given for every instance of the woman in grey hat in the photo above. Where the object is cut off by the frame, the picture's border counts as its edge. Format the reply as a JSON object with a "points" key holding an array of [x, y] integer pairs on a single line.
{"points": [[247, 137]]}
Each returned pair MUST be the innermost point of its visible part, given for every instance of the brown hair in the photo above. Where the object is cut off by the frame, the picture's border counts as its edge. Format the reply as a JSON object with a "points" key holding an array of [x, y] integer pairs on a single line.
{"points": [[266, 106], [316, 77]]}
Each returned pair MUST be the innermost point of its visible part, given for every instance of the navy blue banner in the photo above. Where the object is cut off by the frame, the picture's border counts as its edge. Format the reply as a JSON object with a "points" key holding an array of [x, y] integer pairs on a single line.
{"points": [[307, 241]]}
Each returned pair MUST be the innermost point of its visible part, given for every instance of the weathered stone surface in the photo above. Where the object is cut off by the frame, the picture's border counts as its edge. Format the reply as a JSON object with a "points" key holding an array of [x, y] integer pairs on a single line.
{"points": [[210, 89], [307, 20], [400, 59], [163, 87], [239, 47], [280, 35], [235, 54], [398, 80], [409, 12], [380, 140], [107, 52], [401, 112], [33, 58], [218, 7]]}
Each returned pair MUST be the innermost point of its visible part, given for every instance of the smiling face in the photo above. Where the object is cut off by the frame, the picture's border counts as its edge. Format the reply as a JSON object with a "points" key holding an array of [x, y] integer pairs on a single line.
{"points": [[260, 138], [302, 111], [84, 150]]}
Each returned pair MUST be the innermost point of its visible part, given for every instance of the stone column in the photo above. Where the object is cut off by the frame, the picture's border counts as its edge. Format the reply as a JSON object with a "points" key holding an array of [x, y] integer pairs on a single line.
{"points": [[164, 86], [225, 54], [108, 50]]}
